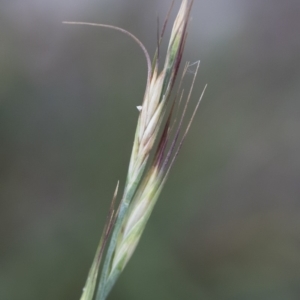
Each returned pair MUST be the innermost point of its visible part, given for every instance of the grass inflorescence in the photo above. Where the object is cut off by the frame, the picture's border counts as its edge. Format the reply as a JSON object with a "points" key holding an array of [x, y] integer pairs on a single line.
{"points": [[160, 123]]}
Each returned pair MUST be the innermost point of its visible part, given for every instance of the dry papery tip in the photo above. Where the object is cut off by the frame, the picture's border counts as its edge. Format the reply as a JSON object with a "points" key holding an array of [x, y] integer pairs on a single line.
{"points": [[147, 56], [111, 218]]}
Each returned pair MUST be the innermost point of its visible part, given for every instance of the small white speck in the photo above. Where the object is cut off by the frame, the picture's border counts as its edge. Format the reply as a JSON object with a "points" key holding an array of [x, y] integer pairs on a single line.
{"points": [[139, 107]]}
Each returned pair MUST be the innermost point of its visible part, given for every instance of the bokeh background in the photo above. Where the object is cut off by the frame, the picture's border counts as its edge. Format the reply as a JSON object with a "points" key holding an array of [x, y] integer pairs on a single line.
{"points": [[227, 223]]}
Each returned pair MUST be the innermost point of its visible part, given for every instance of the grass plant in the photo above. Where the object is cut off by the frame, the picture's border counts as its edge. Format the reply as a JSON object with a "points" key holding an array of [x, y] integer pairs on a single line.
{"points": [[160, 122]]}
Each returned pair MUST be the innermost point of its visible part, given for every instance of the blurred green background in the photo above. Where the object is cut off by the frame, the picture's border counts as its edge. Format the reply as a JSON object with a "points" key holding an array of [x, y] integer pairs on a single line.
{"points": [[227, 223]]}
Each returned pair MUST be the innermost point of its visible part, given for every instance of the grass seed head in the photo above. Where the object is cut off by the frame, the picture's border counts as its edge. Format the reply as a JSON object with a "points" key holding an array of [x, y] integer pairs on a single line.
{"points": [[152, 114], [142, 188]]}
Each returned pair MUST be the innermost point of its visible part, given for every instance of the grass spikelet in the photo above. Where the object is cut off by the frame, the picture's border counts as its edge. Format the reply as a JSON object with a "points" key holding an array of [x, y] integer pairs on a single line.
{"points": [[144, 184]]}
